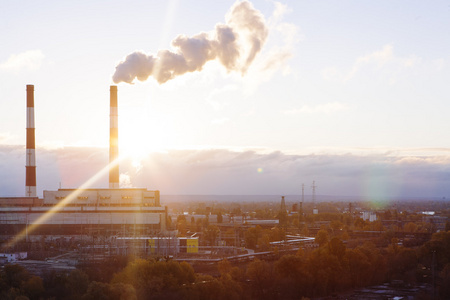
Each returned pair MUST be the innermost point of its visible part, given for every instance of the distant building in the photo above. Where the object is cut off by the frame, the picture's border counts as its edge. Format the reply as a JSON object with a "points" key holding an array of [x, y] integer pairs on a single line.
{"points": [[167, 245], [12, 257], [262, 222], [369, 216]]}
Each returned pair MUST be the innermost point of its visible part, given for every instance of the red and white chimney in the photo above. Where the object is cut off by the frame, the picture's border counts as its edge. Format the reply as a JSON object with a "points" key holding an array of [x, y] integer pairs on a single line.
{"points": [[30, 166], [113, 140]]}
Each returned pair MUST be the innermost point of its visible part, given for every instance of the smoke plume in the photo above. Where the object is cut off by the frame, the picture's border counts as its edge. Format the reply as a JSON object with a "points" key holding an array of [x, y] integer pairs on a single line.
{"points": [[234, 44]]}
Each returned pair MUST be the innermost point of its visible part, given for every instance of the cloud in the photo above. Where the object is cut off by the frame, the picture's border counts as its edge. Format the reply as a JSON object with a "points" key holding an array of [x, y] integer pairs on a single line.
{"points": [[220, 121], [383, 62], [30, 61], [214, 97], [282, 40], [6, 138], [439, 64], [221, 171], [326, 108]]}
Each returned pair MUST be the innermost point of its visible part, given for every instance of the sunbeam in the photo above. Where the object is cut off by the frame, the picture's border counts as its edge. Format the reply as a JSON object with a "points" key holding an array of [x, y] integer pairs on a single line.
{"points": [[63, 203]]}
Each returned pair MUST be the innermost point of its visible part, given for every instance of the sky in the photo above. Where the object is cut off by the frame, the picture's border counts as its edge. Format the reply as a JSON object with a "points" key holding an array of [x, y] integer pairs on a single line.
{"points": [[351, 94]]}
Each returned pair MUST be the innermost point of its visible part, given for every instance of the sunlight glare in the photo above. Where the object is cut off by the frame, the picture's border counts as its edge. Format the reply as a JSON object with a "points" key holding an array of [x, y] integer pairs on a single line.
{"points": [[141, 133], [60, 205]]}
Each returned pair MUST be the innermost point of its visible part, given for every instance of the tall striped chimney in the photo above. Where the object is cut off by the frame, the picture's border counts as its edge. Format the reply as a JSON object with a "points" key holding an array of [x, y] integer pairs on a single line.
{"points": [[113, 140], [30, 166]]}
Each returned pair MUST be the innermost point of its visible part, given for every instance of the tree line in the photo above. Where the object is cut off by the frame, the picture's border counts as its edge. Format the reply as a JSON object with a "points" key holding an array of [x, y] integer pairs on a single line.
{"points": [[331, 269]]}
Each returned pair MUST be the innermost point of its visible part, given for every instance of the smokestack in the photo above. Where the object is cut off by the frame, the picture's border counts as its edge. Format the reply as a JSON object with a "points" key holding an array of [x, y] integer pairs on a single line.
{"points": [[113, 140], [30, 166]]}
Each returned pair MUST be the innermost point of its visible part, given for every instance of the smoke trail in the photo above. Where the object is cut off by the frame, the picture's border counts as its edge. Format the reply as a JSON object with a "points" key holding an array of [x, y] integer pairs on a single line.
{"points": [[234, 44]]}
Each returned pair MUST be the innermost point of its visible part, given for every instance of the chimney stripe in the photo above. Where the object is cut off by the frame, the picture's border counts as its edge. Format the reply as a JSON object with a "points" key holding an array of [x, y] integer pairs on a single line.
{"points": [[30, 139], [31, 158], [31, 178], [30, 117], [30, 191]]}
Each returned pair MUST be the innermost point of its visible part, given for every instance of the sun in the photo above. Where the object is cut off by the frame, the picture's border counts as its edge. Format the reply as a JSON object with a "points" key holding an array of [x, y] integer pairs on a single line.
{"points": [[141, 134]]}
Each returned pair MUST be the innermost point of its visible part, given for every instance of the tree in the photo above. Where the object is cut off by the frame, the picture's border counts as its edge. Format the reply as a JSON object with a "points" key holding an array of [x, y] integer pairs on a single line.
{"points": [[321, 237], [345, 236], [182, 227], [444, 290], [336, 247], [98, 291], [260, 275], [358, 267], [410, 227], [150, 277], [251, 236], [277, 234], [292, 276], [336, 226], [193, 226], [224, 267], [15, 275], [77, 282], [211, 234], [34, 287], [401, 263], [205, 287], [264, 243], [55, 284], [219, 217], [360, 223]]}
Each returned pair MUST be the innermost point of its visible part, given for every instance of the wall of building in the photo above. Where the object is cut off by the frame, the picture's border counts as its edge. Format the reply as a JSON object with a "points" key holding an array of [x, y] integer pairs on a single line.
{"points": [[104, 197]]}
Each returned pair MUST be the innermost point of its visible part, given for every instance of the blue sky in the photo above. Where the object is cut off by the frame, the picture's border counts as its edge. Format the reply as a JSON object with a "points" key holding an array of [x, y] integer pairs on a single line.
{"points": [[364, 79]]}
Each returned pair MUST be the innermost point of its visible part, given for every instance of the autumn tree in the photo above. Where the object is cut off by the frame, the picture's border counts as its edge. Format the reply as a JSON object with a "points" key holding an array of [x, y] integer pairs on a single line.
{"points": [[151, 277], [33, 287], [211, 233], [293, 277], [260, 275], [321, 237], [252, 235]]}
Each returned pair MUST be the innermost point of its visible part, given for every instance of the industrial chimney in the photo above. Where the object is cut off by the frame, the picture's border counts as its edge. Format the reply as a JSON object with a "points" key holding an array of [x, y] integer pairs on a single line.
{"points": [[30, 166], [113, 140]]}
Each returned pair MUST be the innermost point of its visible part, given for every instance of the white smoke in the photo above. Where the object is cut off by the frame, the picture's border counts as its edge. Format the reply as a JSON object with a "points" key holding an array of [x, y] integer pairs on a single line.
{"points": [[234, 44], [125, 181]]}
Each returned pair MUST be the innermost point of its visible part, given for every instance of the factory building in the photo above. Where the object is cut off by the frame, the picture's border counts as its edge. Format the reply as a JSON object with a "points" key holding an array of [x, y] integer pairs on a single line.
{"points": [[76, 213], [121, 212]]}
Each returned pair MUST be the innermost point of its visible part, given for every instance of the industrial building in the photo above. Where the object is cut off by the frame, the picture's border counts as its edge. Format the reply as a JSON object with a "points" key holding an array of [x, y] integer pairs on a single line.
{"points": [[113, 213]]}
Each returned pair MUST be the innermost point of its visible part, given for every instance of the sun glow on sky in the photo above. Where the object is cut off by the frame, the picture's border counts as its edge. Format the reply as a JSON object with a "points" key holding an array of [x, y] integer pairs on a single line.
{"points": [[141, 132]]}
